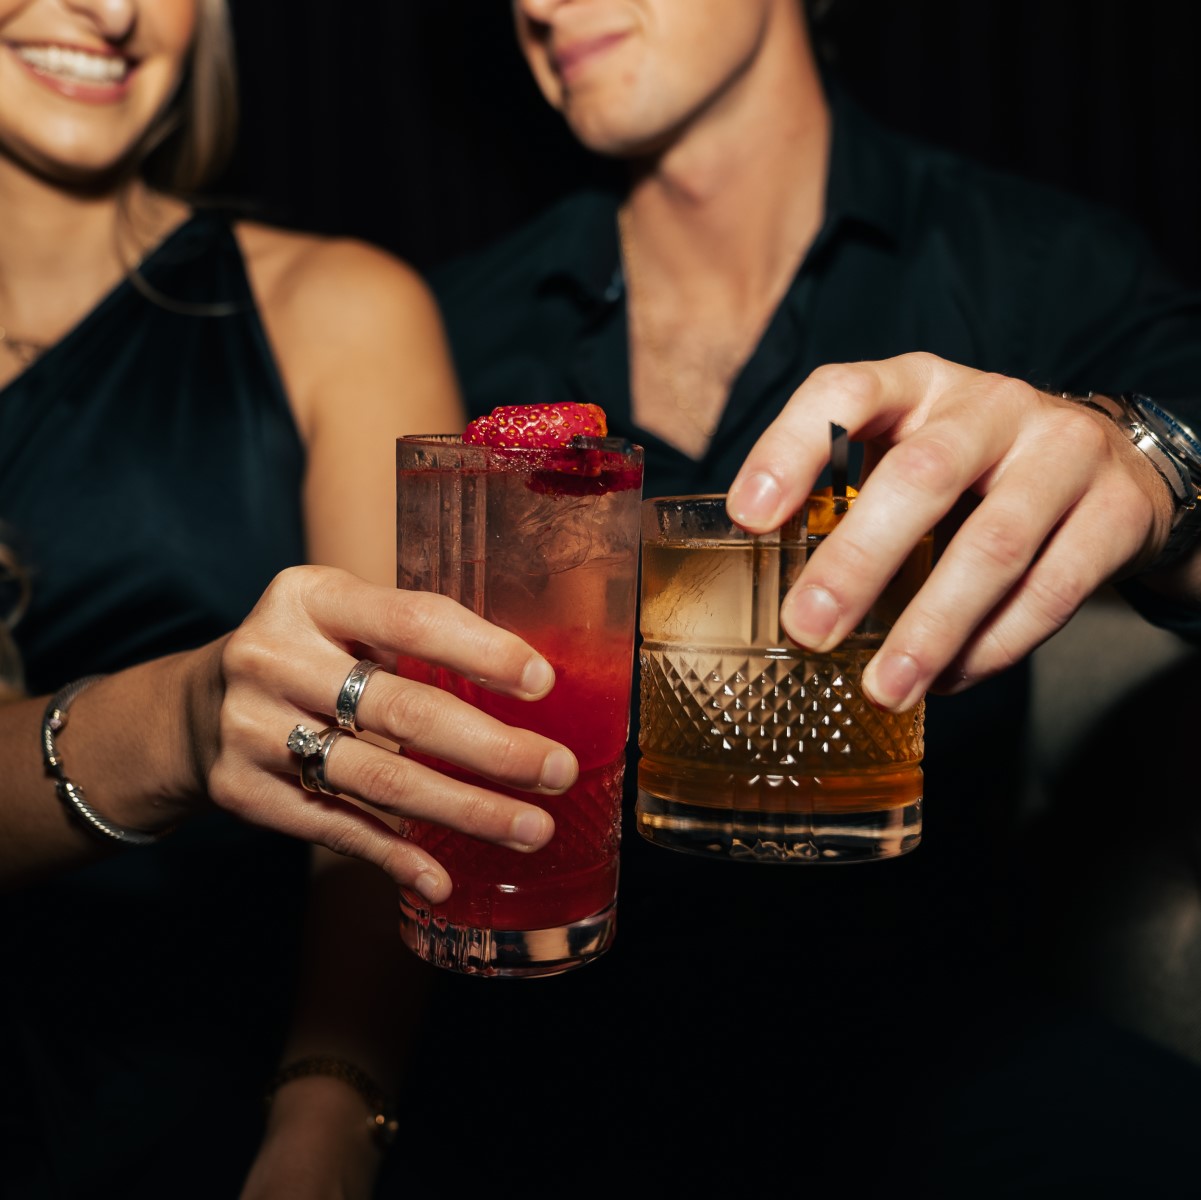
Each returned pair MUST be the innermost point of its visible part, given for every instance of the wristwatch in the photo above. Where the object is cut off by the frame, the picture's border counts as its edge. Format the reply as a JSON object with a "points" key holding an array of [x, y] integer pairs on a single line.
{"points": [[1173, 449]]}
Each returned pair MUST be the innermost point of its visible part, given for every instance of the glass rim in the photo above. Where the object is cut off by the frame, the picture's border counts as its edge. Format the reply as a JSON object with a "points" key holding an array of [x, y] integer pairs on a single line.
{"points": [[611, 445], [715, 526]]}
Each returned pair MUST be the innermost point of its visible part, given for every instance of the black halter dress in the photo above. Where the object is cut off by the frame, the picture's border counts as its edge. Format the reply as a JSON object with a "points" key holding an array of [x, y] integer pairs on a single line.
{"points": [[150, 473]]}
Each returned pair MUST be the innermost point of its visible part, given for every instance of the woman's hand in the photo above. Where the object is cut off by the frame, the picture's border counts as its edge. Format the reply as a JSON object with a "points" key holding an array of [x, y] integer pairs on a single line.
{"points": [[285, 666], [1060, 503]]}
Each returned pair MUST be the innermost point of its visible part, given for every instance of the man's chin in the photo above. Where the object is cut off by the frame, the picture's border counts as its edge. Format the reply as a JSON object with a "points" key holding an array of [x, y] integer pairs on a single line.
{"points": [[613, 139]]}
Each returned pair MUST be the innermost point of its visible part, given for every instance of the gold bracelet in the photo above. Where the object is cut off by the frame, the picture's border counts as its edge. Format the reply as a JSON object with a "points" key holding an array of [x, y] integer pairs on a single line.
{"points": [[383, 1122], [69, 792]]}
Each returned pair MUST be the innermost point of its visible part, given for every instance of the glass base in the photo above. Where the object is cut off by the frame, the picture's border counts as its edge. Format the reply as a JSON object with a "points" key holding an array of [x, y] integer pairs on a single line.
{"points": [[506, 953], [780, 837]]}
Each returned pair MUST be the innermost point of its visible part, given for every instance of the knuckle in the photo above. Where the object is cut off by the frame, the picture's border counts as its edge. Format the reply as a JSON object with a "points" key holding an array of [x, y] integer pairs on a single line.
{"points": [[849, 380], [350, 840], [252, 655], [928, 463], [1054, 597], [380, 778], [991, 388], [283, 586], [1002, 541], [1086, 434], [418, 616], [409, 709], [925, 360], [478, 812], [508, 757], [240, 654]]}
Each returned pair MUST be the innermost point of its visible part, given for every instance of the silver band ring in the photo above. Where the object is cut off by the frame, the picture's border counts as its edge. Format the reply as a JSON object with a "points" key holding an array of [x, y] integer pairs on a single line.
{"points": [[347, 706], [312, 766]]}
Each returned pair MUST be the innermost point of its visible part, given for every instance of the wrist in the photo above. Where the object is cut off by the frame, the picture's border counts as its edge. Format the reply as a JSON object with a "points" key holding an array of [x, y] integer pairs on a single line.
{"points": [[315, 1143], [328, 1086], [1172, 449], [201, 686], [113, 737], [320, 1102]]}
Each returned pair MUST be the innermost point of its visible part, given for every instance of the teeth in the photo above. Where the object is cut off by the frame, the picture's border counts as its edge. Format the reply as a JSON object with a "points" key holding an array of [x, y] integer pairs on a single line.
{"points": [[75, 64]]}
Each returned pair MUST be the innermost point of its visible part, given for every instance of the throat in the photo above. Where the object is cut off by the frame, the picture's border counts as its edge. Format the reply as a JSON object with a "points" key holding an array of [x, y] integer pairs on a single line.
{"points": [[680, 383]]}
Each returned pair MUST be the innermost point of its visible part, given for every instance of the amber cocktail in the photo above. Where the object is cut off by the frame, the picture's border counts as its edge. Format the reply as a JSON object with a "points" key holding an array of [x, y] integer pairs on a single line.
{"points": [[751, 747]]}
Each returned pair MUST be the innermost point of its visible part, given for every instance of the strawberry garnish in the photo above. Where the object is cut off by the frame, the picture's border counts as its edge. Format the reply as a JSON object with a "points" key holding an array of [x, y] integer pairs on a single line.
{"points": [[563, 444], [537, 426]]}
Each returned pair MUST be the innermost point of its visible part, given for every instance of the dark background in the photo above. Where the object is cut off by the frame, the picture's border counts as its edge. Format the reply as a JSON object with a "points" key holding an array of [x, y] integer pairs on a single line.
{"points": [[414, 124]]}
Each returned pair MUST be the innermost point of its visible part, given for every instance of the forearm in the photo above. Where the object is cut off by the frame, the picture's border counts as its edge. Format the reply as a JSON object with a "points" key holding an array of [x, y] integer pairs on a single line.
{"points": [[360, 1001], [130, 742], [359, 986]]}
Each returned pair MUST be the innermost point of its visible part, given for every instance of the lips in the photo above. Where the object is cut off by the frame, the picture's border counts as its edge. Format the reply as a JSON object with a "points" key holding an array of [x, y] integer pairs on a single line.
{"points": [[570, 58]]}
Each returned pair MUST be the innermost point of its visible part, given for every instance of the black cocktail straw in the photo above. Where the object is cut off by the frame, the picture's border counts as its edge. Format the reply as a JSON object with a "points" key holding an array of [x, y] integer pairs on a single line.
{"points": [[838, 466]]}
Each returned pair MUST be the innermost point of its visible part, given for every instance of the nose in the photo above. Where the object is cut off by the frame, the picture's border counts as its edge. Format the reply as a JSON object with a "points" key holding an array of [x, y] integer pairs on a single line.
{"points": [[114, 20]]}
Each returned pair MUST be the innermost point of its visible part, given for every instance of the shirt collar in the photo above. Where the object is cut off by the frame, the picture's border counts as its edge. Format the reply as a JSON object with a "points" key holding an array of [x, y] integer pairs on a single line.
{"points": [[585, 256], [868, 172]]}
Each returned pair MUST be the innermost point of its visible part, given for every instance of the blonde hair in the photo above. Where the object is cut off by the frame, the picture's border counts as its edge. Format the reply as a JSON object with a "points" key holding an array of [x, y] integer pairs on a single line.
{"points": [[192, 140]]}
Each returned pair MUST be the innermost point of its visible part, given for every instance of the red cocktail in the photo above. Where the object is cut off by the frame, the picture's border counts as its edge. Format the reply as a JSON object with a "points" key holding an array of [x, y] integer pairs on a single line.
{"points": [[543, 542]]}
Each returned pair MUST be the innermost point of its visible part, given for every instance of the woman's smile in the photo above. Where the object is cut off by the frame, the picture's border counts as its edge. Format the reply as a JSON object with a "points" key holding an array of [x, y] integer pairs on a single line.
{"points": [[77, 73]]}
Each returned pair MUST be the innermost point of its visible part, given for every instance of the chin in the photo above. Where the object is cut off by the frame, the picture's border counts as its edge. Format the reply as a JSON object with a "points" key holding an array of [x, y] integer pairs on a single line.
{"points": [[613, 139], [84, 171]]}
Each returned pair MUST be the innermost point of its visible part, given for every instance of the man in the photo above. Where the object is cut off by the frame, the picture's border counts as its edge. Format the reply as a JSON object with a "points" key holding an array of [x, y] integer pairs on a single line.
{"points": [[764, 1028]]}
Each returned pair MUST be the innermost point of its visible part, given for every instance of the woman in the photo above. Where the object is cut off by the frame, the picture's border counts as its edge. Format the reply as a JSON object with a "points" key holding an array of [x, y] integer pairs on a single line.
{"points": [[189, 407]]}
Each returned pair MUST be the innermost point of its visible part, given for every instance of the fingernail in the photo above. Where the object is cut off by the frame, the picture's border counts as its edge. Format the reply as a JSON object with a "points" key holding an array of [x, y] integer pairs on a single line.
{"points": [[528, 829], [890, 680], [431, 885], [809, 616], [753, 501], [558, 770], [538, 677]]}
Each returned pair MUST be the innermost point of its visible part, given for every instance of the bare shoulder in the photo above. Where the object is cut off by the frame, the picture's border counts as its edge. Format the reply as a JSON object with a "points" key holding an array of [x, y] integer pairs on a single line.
{"points": [[359, 343], [345, 320], [342, 283]]}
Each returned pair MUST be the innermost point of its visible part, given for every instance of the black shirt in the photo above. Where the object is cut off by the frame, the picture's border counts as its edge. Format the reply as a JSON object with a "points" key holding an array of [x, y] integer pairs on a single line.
{"points": [[759, 1027], [919, 250]]}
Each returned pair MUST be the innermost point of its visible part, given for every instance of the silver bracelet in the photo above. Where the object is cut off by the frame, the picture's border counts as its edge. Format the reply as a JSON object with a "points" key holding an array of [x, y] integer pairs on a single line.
{"points": [[71, 794]]}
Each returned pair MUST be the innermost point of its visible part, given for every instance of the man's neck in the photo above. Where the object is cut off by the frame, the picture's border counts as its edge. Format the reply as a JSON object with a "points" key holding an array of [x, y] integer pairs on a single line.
{"points": [[728, 209], [712, 233]]}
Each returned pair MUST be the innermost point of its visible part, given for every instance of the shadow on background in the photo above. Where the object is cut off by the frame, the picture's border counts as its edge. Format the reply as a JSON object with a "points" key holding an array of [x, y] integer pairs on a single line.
{"points": [[414, 123], [1091, 1074]]}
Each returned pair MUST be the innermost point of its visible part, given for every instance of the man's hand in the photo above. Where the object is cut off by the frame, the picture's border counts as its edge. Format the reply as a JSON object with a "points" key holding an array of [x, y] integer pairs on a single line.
{"points": [[1043, 500]]}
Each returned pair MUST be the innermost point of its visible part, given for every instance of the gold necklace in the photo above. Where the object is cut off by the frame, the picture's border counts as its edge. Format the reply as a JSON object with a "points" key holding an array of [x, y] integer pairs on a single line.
{"points": [[685, 402], [24, 350]]}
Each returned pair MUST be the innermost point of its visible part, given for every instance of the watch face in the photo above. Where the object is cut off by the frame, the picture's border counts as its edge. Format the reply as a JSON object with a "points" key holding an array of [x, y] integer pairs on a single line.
{"points": [[1173, 434]]}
